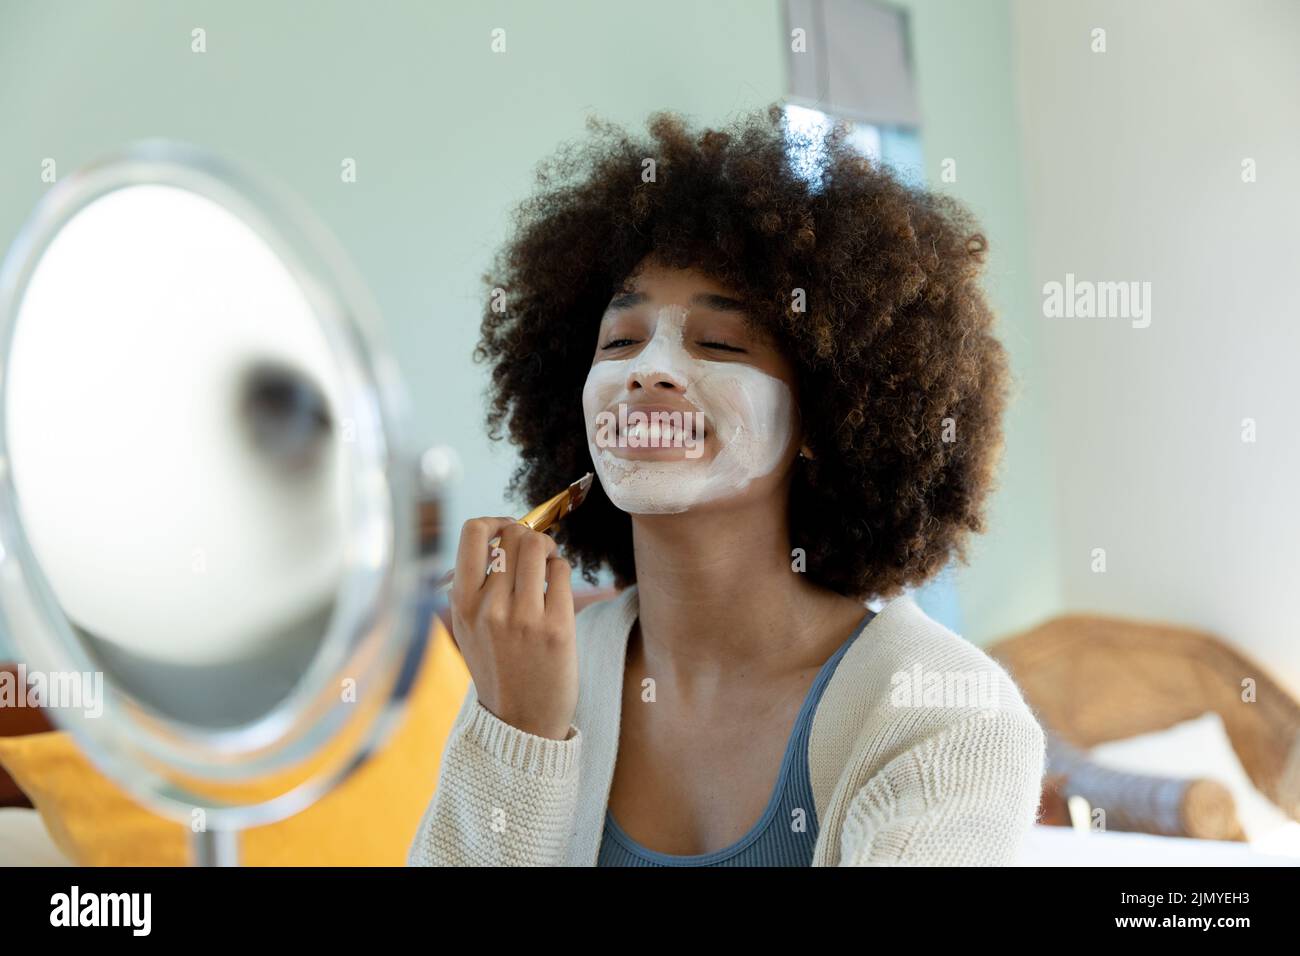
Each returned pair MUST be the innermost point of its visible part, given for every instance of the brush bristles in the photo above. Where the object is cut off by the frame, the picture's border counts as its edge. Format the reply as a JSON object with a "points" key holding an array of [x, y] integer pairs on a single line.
{"points": [[578, 492]]}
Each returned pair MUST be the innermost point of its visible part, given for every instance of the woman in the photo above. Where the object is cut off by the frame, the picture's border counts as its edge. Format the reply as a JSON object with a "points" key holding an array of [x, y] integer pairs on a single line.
{"points": [[783, 374]]}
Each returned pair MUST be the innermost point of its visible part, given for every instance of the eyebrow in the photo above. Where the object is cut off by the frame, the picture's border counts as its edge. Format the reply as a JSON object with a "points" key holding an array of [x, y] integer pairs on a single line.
{"points": [[712, 300]]}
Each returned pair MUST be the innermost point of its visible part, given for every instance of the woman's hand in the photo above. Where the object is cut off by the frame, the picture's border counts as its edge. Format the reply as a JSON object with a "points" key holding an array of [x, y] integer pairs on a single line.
{"points": [[512, 613]]}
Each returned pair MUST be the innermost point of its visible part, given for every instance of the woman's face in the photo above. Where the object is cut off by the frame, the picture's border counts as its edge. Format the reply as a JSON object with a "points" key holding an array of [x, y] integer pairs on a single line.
{"points": [[685, 403]]}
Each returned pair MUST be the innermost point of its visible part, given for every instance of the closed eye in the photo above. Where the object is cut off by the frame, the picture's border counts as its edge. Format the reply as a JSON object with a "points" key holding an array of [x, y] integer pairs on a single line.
{"points": [[721, 346]]}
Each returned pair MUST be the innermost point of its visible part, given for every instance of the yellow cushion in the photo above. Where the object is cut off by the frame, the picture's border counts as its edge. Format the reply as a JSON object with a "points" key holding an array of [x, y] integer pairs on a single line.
{"points": [[369, 820]]}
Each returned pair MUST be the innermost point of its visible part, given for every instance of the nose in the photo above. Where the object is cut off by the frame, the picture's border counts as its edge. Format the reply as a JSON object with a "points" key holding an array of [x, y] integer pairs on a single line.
{"points": [[653, 380]]}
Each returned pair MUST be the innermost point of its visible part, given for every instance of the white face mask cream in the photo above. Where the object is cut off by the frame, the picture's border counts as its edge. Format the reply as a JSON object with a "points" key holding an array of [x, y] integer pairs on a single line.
{"points": [[748, 413]]}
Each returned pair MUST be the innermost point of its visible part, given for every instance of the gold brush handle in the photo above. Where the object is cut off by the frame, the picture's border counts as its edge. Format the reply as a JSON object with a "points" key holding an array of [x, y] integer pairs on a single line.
{"points": [[539, 519]]}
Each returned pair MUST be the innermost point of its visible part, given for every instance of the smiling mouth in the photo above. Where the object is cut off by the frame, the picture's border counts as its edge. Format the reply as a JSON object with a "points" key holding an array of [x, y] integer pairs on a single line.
{"points": [[660, 428]]}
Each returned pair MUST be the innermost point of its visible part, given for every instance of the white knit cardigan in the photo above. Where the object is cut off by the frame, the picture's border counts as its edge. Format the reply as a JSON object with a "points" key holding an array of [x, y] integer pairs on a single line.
{"points": [[947, 777]]}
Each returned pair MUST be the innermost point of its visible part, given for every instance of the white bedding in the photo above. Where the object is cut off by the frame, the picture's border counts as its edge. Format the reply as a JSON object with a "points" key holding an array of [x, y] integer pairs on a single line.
{"points": [[1063, 846]]}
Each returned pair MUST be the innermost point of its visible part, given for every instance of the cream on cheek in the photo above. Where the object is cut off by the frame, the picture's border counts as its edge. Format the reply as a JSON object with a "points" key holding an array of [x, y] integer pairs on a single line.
{"points": [[749, 413]]}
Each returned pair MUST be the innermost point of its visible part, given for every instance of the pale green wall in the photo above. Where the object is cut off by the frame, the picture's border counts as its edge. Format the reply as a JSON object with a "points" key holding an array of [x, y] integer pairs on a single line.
{"points": [[963, 54], [446, 135]]}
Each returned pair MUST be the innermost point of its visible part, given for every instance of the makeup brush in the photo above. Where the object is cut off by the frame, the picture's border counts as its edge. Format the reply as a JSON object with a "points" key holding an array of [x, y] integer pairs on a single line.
{"points": [[543, 517]]}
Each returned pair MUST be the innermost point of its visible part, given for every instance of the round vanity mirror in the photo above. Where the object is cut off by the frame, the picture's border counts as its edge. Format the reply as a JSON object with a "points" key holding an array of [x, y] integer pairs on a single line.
{"points": [[210, 531]]}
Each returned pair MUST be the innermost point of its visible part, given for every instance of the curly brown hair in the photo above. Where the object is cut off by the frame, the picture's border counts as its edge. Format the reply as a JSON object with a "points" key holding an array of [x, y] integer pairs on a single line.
{"points": [[893, 351]]}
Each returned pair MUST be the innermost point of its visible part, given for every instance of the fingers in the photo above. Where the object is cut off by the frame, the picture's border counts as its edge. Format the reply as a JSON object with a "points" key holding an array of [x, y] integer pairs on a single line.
{"points": [[531, 552], [559, 593], [472, 558], [500, 577], [515, 570]]}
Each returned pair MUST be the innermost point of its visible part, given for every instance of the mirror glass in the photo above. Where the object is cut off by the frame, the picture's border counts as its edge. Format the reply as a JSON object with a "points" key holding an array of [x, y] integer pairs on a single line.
{"points": [[172, 415], [207, 511]]}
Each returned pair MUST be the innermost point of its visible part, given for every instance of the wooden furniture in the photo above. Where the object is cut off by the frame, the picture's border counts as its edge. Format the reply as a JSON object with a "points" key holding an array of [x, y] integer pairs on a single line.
{"points": [[16, 722], [1093, 679]]}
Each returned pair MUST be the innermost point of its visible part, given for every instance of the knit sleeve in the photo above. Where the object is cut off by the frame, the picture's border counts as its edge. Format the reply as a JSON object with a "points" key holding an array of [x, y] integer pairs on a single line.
{"points": [[964, 796], [505, 797]]}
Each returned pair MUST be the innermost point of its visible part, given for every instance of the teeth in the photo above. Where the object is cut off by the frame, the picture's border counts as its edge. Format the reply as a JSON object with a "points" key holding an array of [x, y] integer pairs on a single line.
{"points": [[656, 433]]}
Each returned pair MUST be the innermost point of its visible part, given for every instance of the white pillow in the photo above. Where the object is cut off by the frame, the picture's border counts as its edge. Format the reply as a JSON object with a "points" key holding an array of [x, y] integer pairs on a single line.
{"points": [[1199, 748]]}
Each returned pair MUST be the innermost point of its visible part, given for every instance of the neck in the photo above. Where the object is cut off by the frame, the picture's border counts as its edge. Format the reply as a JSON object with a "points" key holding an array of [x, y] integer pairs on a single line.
{"points": [[718, 597]]}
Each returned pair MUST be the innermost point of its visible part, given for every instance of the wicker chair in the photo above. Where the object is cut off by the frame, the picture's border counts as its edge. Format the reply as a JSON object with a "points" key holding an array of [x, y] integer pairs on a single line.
{"points": [[1094, 679]]}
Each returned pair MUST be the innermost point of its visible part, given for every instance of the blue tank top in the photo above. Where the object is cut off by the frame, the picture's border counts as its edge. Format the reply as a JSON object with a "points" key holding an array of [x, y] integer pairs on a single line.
{"points": [[784, 835]]}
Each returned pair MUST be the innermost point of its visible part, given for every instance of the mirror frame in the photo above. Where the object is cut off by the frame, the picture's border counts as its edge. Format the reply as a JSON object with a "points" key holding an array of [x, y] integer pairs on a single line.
{"points": [[371, 636]]}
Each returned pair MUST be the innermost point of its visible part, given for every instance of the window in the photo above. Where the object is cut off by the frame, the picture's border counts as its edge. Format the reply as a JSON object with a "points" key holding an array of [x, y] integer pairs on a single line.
{"points": [[897, 147]]}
